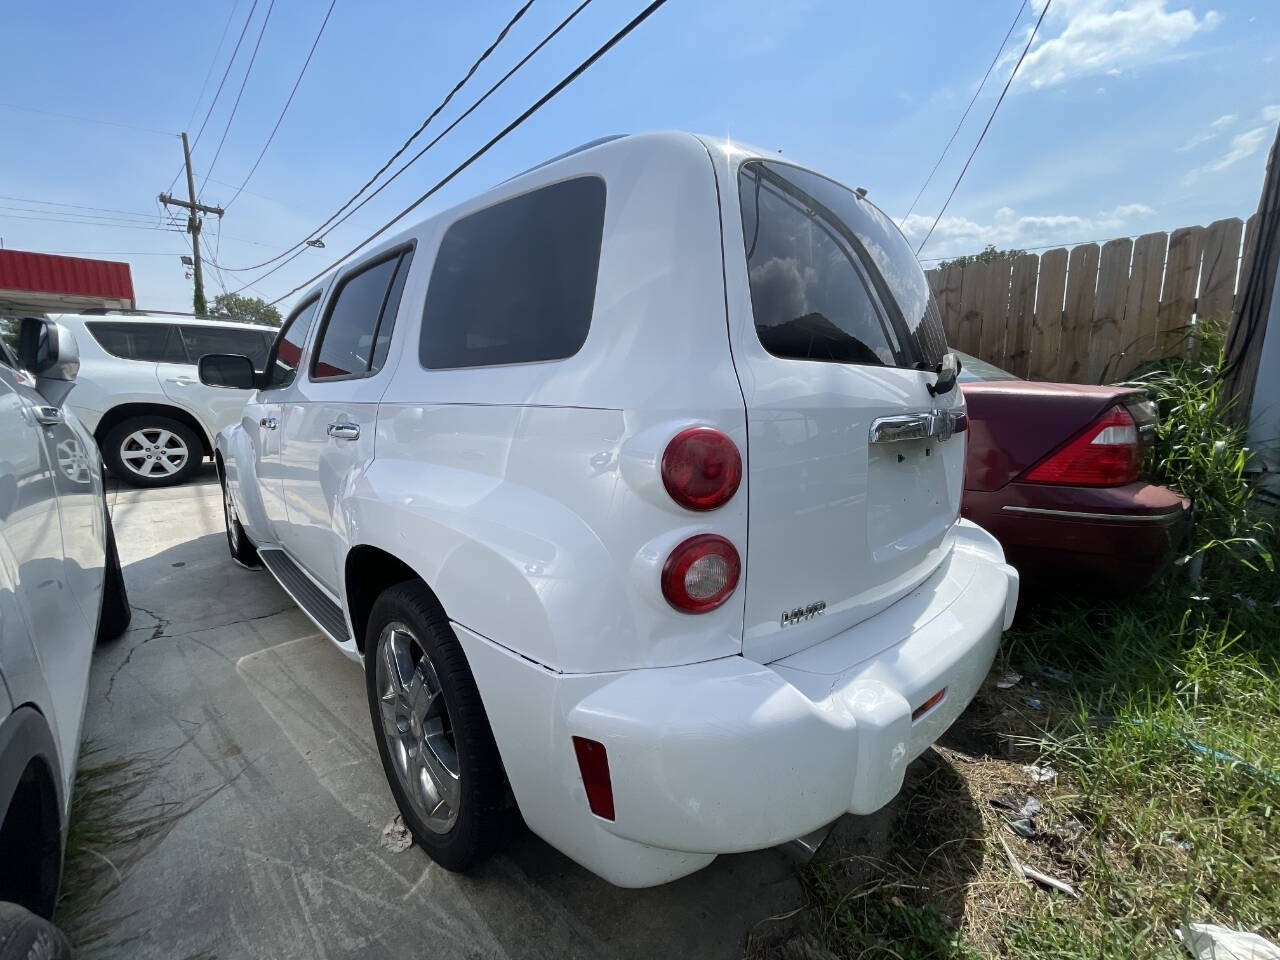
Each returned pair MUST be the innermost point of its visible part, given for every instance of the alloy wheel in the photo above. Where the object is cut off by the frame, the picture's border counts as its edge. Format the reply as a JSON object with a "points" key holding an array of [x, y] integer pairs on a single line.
{"points": [[154, 452], [232, 519], [417, 728]]}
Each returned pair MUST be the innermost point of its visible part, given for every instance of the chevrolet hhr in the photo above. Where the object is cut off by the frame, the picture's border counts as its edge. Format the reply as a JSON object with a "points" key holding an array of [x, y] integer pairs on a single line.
{"points": [[634, 483]]}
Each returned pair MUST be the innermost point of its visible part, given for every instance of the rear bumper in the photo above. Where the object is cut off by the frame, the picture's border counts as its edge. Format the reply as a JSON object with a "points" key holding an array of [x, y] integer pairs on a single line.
{"points": [[1117, 536], [730, 755]]}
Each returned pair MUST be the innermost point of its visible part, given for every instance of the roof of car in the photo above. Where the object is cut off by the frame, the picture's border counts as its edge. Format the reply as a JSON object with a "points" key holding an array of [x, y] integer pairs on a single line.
{"points": [[190, 321]]}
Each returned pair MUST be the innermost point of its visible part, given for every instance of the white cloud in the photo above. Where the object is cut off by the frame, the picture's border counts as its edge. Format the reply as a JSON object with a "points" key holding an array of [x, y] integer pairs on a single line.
{"points": [[1271, 113], [1205, 136], [1107, 37], [1243, 146], [956, 235]]}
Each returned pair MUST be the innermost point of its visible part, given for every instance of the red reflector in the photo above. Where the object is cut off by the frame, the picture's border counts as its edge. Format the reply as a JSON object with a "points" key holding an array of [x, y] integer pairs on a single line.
{"points": [[593, 762], [701, 468], [928, 705], [1105, 454], [701, 573]]}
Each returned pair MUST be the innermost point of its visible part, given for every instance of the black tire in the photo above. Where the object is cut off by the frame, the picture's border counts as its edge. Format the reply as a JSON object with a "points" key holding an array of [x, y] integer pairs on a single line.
{"points": [[486, 813], [121, 444], [24, 936], [242, 549], [114, 617]]}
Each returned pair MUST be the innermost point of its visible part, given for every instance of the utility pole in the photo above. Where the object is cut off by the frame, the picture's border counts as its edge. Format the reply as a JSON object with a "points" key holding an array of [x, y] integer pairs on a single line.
{"points": [[193, 224]]}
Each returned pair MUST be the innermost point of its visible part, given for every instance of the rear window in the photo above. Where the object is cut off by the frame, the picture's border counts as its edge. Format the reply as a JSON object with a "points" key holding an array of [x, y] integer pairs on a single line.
{"points": [[516, 282], [253, 344], [155, 342], [832, 278]]}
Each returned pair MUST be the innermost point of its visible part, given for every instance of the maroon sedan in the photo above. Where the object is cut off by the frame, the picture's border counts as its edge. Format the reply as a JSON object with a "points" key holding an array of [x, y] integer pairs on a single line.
{"points": [[1053, 472]]}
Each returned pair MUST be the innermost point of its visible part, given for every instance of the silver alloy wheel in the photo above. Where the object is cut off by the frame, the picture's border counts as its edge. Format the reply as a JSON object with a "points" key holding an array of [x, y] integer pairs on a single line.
{"points": [[232, 519], [417, 728], [154, 452]]}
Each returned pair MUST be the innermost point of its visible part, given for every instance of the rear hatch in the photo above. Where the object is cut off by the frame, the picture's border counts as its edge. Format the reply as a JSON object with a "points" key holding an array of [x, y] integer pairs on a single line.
{"points": [[854, 468]]}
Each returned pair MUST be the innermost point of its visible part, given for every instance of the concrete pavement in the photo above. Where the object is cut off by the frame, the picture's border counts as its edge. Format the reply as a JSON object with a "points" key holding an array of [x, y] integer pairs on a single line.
{"points": [[273, 799]]}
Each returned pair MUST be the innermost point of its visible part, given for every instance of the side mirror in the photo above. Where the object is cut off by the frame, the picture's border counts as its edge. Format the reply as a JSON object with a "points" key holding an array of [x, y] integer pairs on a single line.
{"points": [[48, 350], [229, 370], [948, 371]]}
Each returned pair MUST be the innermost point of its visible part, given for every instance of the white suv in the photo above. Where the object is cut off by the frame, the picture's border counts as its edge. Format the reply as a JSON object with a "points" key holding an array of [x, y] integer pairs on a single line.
{"points": [[635, 483], [139, 394]]}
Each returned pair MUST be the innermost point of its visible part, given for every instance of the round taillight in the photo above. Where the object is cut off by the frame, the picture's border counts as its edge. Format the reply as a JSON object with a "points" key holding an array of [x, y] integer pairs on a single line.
{"points": [[701, 573], [701, 468]]}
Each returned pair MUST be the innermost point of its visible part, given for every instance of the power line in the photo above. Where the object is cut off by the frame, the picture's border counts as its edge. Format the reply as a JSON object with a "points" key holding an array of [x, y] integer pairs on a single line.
{"points": [[88, 223], [271, 136], [530, 111], [75, 214], [77, 206], [301, 244], [964, 116], [105, 123], [217, 93], [235, 106], [212, 62], [983, 135]]}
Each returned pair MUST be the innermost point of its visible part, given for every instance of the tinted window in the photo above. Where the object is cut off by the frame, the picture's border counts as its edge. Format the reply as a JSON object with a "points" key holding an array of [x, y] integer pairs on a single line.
{"points": [[287, 352], [516, 283], [253, 344], [138, 341], [832, 278], [348, 344]]}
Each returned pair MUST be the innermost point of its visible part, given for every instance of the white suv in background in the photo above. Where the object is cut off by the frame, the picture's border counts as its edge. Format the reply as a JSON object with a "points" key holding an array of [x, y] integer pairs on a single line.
{"points": [[138, 392], [635, 483]]}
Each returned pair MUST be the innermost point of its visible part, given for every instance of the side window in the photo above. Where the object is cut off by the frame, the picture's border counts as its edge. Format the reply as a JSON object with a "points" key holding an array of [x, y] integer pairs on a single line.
{"points": [[357, 328], [155, 342], [516, 282], [200, 340], [286, 355]]}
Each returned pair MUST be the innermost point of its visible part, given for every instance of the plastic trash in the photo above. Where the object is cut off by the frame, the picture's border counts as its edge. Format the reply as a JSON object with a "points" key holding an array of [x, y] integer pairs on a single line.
{"points": [[1010, 679], [396, 836], [1039, 774], [1208, 941]]}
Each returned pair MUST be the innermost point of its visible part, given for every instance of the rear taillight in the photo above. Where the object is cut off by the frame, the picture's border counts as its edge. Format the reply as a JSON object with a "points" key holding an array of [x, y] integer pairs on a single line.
{"points": [[701, 573], [701, 468], [1104, 454]]}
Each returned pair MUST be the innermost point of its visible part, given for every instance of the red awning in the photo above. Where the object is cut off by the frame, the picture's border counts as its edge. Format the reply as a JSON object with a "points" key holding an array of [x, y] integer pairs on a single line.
{"points": [[47, 283]]}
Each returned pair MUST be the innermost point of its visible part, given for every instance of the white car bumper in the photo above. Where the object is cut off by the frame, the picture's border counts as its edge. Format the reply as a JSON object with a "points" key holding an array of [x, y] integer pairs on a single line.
{"points": [[730, 755]]}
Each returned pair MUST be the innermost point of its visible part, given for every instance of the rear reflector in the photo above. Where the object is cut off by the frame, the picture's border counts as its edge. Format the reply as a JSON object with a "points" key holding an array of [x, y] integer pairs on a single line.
{"points": [[593, 763], [701, 573], [1105, 454], [928, 705]]}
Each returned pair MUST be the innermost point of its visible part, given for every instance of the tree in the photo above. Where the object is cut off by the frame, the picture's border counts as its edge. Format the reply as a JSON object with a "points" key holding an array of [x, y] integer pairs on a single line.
{"points": [[989, 254], [232, 306]]}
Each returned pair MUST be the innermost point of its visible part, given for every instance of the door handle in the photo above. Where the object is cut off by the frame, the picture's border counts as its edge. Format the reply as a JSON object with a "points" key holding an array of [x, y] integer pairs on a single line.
{"points": [[344, 431], [183, 381], [270, 423], [916, 426], [48, 416]]}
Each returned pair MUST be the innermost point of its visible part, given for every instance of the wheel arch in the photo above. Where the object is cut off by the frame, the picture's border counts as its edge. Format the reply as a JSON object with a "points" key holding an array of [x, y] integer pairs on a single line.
{"points": [[31, 804], [367, 572], [125, 411]]}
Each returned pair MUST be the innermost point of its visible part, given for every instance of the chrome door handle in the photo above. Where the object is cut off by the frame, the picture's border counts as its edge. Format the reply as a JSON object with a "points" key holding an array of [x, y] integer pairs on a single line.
{"points": [[183, 381], [48, 416], [269, 423], [915, 426], [344, 431]]}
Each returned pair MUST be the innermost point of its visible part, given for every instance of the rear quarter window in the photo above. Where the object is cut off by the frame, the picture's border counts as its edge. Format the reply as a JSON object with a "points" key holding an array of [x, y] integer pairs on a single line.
{"points": [[154, 342], [831, 277], [516, 282], [200, 340]]}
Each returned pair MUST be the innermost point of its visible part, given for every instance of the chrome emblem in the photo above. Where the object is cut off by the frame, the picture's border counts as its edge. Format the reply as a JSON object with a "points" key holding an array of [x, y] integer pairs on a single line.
{"points": [[800, 614]]}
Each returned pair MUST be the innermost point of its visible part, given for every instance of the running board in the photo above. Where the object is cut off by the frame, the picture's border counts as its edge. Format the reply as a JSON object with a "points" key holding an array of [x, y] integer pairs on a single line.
{"points": [[313, 601]]}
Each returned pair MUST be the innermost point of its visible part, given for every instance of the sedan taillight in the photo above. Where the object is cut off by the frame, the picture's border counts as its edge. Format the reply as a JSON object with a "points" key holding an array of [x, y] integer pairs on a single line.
{"points": [[1105, 454]]}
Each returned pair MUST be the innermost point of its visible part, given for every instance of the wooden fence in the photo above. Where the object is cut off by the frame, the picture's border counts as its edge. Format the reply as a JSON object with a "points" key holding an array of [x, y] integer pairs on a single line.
{"points": [[1090, 314]]}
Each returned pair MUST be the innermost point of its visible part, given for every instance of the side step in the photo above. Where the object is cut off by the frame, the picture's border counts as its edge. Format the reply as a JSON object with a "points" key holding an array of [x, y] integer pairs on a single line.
{"points": [[314, 602]]}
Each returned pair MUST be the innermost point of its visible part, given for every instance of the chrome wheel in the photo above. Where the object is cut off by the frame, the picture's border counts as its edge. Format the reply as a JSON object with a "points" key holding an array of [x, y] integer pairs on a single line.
{"points": [[417, 728], [232, 519], [154, 452]]}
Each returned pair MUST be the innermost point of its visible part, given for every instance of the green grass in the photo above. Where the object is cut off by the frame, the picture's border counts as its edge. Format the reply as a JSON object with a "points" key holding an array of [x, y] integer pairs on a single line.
{"points": [[1161, 714]]}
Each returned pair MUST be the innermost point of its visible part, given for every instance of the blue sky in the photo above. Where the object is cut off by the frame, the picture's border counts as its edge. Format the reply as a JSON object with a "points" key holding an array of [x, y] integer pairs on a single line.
{"points": [[1127, 116]]}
